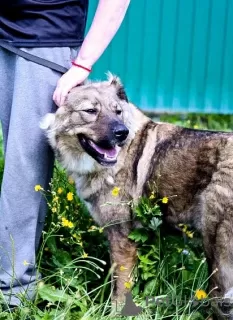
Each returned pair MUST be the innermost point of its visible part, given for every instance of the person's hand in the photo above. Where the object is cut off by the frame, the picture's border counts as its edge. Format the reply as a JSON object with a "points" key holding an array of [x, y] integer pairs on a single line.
{"points": [[69, 80]]}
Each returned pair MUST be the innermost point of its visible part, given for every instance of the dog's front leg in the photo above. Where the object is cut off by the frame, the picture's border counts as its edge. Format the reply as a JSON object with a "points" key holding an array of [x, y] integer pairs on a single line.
{"points": [[123, 257]]}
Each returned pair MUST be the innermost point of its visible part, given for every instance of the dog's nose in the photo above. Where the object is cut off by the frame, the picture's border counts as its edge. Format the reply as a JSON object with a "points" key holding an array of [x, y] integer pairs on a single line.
{"points": [[120, 132]]}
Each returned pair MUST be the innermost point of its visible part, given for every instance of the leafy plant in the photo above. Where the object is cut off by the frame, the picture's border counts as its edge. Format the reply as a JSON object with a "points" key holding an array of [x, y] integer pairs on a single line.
{"points": [[171, 267]]}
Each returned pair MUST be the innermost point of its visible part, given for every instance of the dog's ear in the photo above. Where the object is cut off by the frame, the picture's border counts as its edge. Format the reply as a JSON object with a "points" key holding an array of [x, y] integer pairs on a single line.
{"points": [[120, 90], [47, 121]]}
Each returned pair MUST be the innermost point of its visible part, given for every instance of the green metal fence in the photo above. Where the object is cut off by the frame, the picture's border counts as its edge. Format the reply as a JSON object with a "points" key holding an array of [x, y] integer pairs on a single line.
{"points": [[174, 55]]}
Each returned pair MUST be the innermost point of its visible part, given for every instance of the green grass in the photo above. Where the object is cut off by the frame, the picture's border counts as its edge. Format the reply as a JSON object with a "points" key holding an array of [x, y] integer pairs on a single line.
{"points": [[74, 259]]}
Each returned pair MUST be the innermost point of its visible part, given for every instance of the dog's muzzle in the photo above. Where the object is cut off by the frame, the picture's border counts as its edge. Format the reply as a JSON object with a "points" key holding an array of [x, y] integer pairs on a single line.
{"points": [[105, 150]]}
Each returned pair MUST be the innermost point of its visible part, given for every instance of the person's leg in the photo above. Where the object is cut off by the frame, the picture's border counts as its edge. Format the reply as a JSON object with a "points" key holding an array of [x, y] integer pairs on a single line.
{"points": [[7, 67], [28, 161]]}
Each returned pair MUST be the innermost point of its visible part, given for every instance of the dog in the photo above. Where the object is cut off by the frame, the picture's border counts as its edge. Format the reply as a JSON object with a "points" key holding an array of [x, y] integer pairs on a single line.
{"points": [[104, 141]]}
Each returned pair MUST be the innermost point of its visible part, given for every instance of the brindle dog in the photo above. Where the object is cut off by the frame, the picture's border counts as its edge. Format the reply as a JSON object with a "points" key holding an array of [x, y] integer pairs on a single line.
{"points": [[105, 141]]}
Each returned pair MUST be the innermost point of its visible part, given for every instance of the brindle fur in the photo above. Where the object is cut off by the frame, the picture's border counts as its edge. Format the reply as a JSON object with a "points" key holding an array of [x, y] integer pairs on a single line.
{"points": [[193, 168]]}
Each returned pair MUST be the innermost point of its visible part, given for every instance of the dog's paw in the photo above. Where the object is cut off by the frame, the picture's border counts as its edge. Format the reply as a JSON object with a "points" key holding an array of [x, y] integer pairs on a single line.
{"points": [[226, 304]]}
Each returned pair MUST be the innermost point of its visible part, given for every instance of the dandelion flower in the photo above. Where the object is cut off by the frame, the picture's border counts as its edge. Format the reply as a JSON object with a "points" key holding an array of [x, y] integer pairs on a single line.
{"points": [[71, 180], [165, 200], [115, 191], [70, 224], [70, 196], [64, 222], [127, 285], [78, 237], [189, 234], [152, 196], [200, 294], [122, 268], [59, 190], [25, 263], [38, 187], [183, 227], [67, 223], [55, 199]]}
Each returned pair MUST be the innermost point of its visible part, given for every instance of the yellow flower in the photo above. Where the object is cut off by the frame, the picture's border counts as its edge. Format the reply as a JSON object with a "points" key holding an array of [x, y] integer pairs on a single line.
{"points": [[25, 263], [55, 199], [92, 228], [152, 196], [195, 126], [200, 294], [189, 234], [183, 227], [67, 223], [54, 209], [122, 268], [165, 200], [78, 237], [71, 180], [70, 196], [59, 190], [127, 285], [38, 187], [64, 222], [115, 191], [85, 255], [70, 224]]}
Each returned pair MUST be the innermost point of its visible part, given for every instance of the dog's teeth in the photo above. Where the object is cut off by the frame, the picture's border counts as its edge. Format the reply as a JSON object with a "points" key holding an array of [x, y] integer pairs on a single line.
{"points": [[109, 158]]}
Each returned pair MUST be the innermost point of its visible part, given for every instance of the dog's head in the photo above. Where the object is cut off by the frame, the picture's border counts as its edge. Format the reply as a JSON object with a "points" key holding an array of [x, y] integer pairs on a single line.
{"points": [[93, 122]]}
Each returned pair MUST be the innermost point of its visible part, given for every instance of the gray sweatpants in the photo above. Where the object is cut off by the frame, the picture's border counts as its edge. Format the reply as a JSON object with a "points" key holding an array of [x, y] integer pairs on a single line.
{"points": [[26, 91]]}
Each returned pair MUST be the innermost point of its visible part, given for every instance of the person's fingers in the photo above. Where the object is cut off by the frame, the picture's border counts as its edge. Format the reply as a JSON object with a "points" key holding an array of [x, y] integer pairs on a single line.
{"points": [[63, 95], [59, 91], [69, 80], [60, 94]]}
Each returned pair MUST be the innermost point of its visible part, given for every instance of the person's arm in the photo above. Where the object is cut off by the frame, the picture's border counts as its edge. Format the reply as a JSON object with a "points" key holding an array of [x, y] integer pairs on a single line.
{"points": [[108, 18]]}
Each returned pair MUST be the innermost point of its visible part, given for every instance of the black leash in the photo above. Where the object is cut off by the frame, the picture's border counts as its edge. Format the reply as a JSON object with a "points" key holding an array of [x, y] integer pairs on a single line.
{"points": [[33, 58]]}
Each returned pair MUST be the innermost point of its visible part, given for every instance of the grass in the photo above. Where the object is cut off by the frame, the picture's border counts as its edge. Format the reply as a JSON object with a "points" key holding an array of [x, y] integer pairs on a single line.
{"points": [[74, 259]]}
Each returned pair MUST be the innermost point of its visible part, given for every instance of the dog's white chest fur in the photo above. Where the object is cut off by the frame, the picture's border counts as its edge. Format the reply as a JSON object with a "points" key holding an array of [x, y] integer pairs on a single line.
{"points": [[83, 164]]}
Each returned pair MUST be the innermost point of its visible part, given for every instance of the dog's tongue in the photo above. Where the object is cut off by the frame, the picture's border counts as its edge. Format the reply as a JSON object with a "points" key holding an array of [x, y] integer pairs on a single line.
{"points": [[109, 153]]}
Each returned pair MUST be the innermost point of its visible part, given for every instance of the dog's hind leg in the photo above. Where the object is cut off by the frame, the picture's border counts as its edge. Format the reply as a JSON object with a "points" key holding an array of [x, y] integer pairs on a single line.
{"points": [[123, 257], [218, 244]]}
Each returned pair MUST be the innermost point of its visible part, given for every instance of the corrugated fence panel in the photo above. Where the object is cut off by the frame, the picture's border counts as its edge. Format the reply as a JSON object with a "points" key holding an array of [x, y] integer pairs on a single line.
{"points": [[174, 55]]}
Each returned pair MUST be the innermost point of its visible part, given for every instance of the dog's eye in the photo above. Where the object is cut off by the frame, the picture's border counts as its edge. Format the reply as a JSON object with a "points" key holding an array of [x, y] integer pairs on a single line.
{"points": [[91, 111], [118, 112]]}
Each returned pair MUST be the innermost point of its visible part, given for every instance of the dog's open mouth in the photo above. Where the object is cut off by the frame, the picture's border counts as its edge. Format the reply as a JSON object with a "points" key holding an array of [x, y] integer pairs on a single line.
{"points": [[104, 154]]}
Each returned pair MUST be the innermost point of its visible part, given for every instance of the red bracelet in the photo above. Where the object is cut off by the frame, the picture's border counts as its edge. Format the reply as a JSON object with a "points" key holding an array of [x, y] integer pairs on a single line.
{"points": [[80, 66]]}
